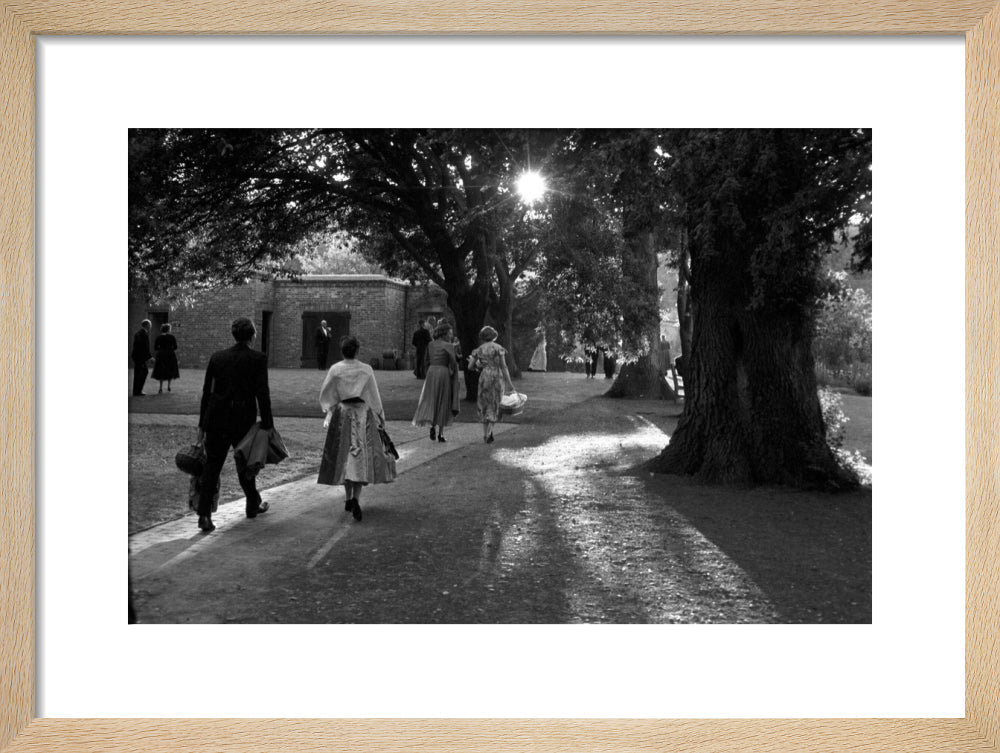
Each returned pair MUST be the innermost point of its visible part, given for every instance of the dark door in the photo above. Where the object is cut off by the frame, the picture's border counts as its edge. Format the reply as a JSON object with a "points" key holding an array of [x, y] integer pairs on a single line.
{"points": [[339, 324], [156, 319], [265, 330]]}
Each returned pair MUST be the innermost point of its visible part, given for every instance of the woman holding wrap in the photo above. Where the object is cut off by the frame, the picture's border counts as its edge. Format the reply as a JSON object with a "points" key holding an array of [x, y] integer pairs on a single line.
{"points": [[353, 454]]}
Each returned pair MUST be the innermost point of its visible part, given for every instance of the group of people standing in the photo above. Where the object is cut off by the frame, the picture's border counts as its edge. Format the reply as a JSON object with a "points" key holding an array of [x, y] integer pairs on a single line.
{"points": [[162, 357]]}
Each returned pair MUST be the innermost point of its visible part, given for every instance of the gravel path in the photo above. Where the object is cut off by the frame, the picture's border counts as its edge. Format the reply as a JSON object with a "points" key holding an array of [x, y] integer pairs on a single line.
{"points": [[550, 524]]}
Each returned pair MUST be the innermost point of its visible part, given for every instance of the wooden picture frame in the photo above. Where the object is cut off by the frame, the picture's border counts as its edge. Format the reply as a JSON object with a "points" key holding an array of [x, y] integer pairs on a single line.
{"points": [[20, 21]]}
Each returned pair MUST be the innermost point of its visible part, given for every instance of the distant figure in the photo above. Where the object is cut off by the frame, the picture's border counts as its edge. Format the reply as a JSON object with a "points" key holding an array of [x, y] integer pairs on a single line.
{"points": [[590, 355], [609, 363], [459, 356], [539, 360], [439, 398], [421, 339], [140, 357], [235, 386], [353, 454], [165, 369], [322, 339], [489, 359]]}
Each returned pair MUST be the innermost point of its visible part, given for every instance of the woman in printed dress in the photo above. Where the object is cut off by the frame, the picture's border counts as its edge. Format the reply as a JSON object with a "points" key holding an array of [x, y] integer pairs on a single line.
{"points": [[353, 454], [438, 402], [494, 379]]}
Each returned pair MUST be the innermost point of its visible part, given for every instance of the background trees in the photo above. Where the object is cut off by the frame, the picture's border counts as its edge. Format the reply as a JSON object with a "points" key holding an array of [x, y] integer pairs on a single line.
{"points": [[744, 214]]}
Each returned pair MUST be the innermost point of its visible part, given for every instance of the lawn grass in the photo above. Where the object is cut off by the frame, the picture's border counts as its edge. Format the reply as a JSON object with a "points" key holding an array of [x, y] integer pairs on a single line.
{"points": [[858, 431], [158, 490]]}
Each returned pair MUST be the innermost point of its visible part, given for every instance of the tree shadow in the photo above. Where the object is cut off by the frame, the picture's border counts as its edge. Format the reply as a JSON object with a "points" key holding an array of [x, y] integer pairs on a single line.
{"points": [[809, 553]]}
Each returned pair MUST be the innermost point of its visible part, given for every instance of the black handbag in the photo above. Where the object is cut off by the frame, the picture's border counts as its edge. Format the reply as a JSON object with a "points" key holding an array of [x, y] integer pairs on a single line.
{"points": [[387, 444], [191, 459]]}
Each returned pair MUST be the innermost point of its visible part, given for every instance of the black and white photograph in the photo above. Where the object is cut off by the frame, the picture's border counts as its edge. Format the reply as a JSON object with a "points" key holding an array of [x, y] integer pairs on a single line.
{"points": [[499, 375]]}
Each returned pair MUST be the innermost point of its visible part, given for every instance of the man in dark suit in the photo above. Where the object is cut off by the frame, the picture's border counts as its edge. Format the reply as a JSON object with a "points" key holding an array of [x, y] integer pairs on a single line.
{"points": [[235, 386], [322, 344], [421, 339], [140, 355]]}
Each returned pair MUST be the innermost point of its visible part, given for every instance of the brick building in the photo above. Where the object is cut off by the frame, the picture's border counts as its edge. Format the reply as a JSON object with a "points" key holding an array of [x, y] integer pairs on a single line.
{"points": [[381, 312]]}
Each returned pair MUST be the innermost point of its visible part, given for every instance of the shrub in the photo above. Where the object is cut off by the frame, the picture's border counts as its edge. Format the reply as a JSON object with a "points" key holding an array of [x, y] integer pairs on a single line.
{"points": [[835, 420], [842, 343], [833, 417]]}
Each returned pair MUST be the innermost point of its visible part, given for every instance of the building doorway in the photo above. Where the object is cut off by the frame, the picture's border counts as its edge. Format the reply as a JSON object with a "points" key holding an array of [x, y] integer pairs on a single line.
{"points": [[265, 331], [156, 320], [339, 324]]}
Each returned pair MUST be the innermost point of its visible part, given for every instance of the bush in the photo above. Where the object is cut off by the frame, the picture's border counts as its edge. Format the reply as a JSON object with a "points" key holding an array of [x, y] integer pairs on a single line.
{"points": [[842, 344], [833, 417], [863, 386], [835, 420], [857, 376]]}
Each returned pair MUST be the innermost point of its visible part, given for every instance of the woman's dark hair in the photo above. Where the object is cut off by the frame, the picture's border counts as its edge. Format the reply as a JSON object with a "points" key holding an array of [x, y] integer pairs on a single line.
{"points": [[487, 334], [441, 330], [164, 328], [243, 330], [349, 346]]}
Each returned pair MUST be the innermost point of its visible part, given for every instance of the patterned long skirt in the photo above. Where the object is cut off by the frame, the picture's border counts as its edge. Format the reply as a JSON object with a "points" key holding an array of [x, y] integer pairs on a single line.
{"points": [[353, 450], [490, 394]]}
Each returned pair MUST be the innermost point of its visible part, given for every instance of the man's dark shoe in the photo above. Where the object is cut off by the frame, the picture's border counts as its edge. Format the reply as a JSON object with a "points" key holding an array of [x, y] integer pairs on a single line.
{"points": [[205, 523], [261, 509]]}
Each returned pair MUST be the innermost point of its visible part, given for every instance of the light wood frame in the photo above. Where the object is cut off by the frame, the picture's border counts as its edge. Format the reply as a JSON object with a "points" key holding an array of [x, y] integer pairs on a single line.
{"points": [[979, 20]]}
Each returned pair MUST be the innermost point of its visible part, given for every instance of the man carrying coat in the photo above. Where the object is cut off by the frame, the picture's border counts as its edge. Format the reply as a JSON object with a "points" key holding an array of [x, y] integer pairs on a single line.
{"points": [[235, 387], [140, 355]]}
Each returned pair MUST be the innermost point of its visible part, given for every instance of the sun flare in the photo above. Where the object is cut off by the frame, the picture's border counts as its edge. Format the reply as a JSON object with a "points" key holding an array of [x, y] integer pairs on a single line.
{"points": [[531, 187]]}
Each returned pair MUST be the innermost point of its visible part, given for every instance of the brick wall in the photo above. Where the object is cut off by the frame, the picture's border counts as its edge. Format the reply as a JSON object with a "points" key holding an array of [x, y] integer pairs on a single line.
{"points": [[380, 312], [375, 306], [202, 324]]}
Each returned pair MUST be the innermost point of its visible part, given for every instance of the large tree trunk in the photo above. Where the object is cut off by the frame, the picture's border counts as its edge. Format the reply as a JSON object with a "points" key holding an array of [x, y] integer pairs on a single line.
{"points": [[751, 412], [684, 318], [641, 378], [470, 311]]}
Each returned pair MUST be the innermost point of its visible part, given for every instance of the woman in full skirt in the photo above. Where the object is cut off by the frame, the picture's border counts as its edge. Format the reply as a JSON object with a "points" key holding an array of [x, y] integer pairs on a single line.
{"points": [[353, 454], [165, 368], [439, 399]]}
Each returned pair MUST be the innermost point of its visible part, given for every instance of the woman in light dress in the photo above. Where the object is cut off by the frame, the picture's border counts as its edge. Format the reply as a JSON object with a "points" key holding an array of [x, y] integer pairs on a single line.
{"points": [[494, 379], [438, 403], [353, 454], [539, 360]]}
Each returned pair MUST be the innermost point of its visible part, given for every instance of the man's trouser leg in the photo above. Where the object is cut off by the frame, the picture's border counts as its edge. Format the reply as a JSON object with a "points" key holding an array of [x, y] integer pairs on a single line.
{"points": [[249, 485], [216, 448], [140, 372]]}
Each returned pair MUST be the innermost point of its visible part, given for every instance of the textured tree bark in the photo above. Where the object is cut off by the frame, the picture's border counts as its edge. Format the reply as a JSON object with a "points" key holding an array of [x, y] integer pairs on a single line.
{"points": [[751, 412]]}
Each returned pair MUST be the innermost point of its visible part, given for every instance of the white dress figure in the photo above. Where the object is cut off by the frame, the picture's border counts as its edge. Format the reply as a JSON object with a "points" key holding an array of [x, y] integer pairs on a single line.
{"points": [[538, 358]]}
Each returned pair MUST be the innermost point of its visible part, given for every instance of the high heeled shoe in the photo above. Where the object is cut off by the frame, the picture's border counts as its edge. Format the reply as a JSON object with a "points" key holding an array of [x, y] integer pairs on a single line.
{"points": [[356, 511], [205, 523], [489, 439], [440, 437]]}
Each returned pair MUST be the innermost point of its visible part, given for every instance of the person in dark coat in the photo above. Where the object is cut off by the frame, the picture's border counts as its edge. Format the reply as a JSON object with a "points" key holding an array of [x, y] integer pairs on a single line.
{"points": [[235, 387], [140, 355], [610, 362], [421, 339], [165, 369], [322, 345]]}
